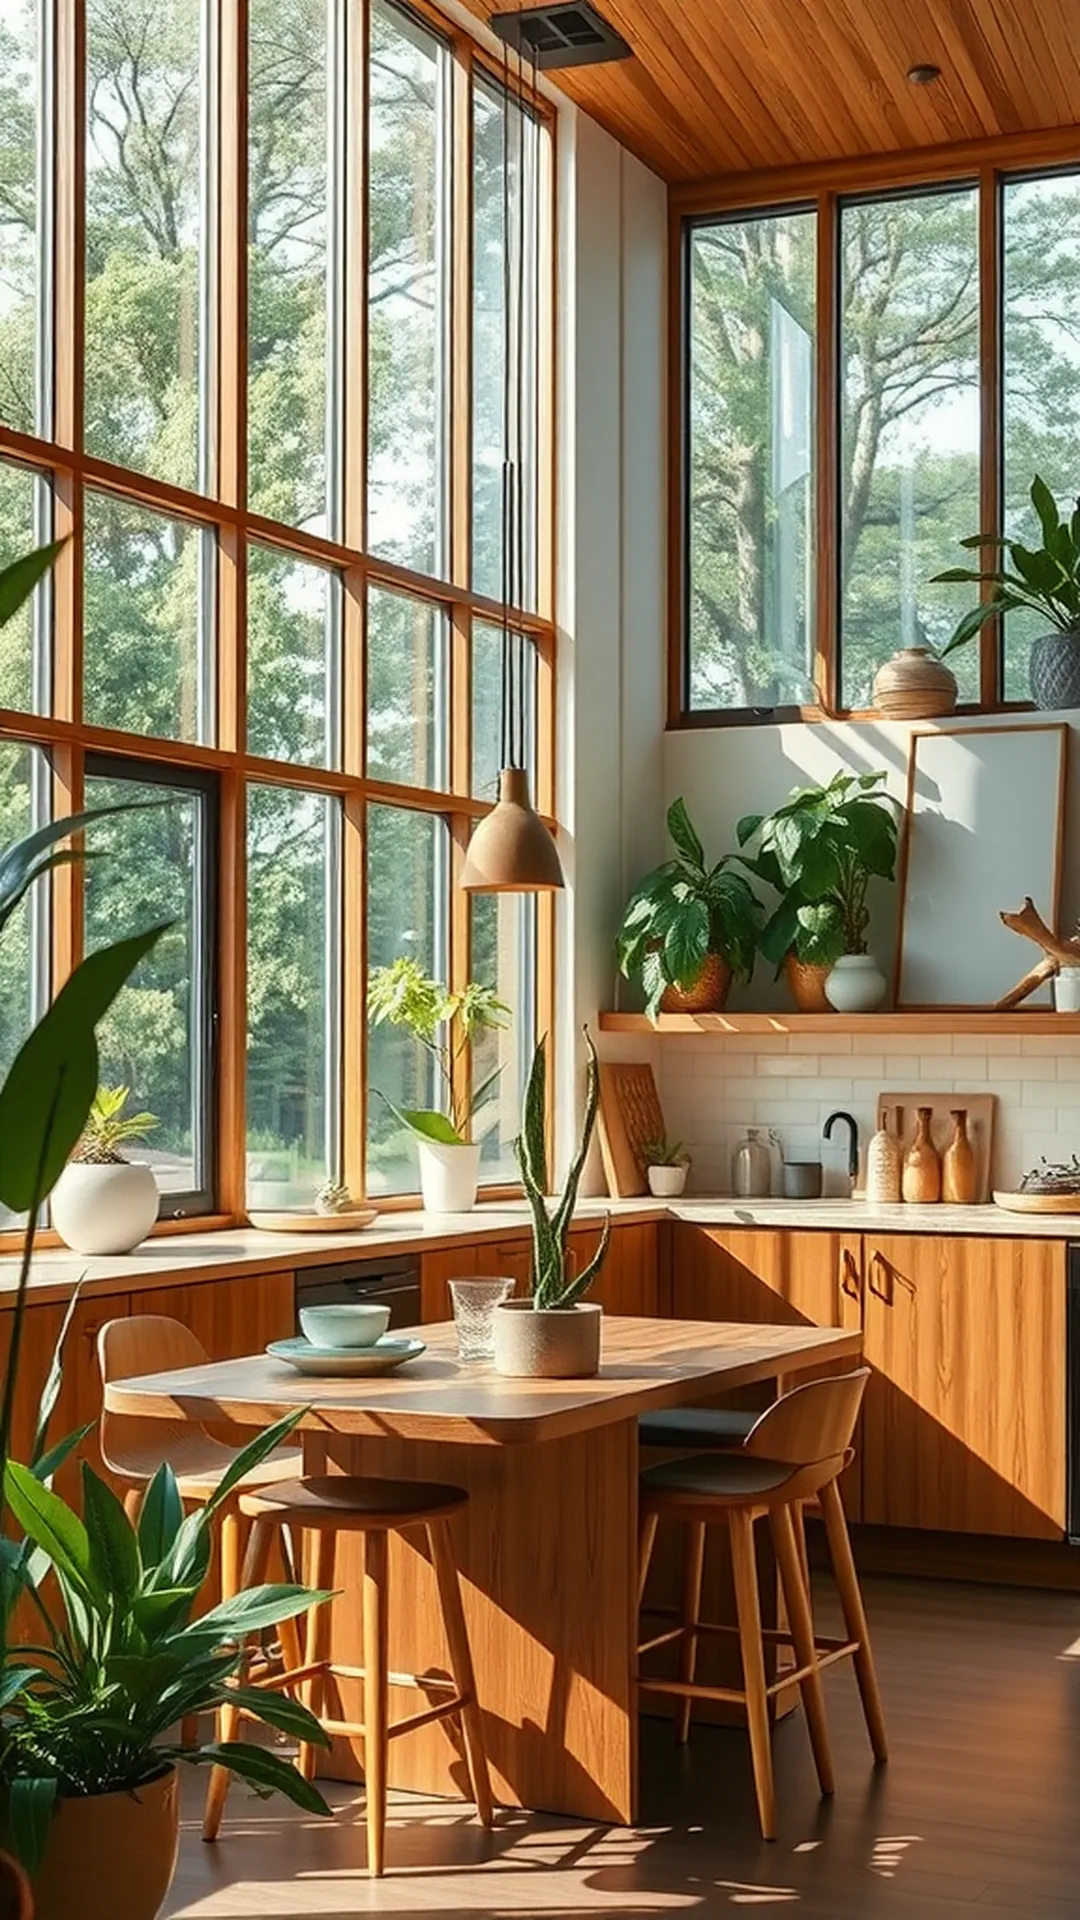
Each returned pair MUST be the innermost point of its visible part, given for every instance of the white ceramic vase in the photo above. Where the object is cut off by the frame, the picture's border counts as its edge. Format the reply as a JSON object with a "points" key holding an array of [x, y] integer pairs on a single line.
{"points": [[856, 984], [449, 1176], [104, 1209], [1067, 990], [666, 1183]]}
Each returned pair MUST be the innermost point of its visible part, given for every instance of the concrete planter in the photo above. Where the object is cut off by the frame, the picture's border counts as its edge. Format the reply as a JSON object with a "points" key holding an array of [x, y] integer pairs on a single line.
{"points": [[547, 1343]]}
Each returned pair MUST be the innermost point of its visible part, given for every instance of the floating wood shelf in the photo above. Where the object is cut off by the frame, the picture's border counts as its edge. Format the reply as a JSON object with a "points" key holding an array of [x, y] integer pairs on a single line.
{"points": [[932, 1020]]}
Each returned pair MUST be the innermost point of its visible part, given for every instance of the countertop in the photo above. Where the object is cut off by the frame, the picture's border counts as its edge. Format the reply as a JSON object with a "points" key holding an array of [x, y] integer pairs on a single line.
{"points": [[170, 1259]]}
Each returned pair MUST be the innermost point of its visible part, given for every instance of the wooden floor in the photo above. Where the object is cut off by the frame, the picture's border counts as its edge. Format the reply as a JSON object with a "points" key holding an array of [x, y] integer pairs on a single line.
{"points": [[975, 1817]]}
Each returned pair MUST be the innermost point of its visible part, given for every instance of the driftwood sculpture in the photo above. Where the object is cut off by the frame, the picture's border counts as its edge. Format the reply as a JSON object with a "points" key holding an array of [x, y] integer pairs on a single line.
{"points": [[1059, 950]]}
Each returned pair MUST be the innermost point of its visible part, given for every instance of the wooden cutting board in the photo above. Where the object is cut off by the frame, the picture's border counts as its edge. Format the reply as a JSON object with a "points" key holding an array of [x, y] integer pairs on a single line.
{"points": [[630, 1117], [980, 1113]]}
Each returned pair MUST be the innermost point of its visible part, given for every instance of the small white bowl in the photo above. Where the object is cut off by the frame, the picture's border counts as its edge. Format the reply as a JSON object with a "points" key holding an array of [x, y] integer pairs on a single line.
{"points": [[344, 1323]]}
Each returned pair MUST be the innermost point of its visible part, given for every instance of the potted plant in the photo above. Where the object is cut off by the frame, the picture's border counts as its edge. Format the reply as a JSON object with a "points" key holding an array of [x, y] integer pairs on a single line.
{"points": [[103, 1202], [819, 851], [667, 1164], [1044, 580], [689, 928], [445, 1024], [554, 1333]]}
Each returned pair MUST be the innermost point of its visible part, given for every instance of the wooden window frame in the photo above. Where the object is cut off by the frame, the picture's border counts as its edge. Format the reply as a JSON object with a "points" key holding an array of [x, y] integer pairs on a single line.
{"points": [[64, 463], [988, 166]]}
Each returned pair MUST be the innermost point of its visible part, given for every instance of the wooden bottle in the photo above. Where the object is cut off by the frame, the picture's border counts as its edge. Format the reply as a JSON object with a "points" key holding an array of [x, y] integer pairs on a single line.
{"points": [[958, 1172], [921, 1182], [883, 1165]]}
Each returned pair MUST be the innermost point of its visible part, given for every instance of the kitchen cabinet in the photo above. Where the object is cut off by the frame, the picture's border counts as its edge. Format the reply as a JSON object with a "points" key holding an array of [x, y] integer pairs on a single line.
{"points": [[630, 1281], [963, 1425]]}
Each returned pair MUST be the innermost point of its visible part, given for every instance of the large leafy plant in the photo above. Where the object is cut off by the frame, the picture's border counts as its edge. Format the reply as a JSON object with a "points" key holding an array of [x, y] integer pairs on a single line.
{"points": [[552, 1282], [1043, 580], [819, 852], [445, 1023], [684, 911]]}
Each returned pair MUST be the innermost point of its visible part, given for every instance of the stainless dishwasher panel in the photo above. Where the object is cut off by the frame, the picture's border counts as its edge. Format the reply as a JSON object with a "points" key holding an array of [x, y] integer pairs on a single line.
{"points": [[393, 1282]]}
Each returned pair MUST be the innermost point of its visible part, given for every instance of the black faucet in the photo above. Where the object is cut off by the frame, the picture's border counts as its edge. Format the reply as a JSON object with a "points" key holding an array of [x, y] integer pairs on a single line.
{"points": [[853, 1139]]}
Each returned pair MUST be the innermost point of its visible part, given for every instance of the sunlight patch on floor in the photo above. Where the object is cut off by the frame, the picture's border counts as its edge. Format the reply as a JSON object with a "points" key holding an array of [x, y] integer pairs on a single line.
{"points": [[889, 1851]]}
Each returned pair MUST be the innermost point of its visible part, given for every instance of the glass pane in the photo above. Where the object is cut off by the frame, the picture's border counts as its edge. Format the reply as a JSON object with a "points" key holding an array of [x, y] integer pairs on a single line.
{"points": [[490, 269], [145, 331], [24, 641], [504, 957], [407, 691], [149, 591], [751, 452], [1041, 347], [22, 214], [487, 750], [294, 869], [155, 1038], [24, 940], [288, 390], [408, 897], [910, 434], [294, 623], [407, 292]]}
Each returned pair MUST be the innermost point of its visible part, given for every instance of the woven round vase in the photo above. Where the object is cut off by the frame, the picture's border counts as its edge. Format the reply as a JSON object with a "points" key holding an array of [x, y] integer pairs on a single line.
{"points": [[707, 994], [807, 985], [1055, 671], [914, 686]]}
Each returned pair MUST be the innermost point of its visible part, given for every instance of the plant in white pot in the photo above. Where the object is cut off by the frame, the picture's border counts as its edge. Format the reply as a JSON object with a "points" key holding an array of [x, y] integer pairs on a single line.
{"points": [[553, 1334], [667, 1164], [103, 1202], [446, 1024]]}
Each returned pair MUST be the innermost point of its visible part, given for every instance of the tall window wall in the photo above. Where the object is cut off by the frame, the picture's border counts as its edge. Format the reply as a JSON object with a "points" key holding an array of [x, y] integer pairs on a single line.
{"points": [[869, 377], [252, 334]]}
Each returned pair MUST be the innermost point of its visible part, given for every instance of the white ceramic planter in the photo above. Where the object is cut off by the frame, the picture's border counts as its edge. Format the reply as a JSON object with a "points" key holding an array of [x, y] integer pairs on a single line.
{"points": [[666, 1183], [448, 1176], [547, 1343], [856, 984], [104, 1209], [1067, 990]]}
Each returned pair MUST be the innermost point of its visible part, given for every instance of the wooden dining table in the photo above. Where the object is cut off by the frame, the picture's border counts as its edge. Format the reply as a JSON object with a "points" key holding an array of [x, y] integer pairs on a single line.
{"points": [[547, 1547]]}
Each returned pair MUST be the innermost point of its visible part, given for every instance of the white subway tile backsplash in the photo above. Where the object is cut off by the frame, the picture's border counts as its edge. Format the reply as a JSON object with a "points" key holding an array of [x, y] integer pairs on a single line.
{"points": [[820, 1043]]}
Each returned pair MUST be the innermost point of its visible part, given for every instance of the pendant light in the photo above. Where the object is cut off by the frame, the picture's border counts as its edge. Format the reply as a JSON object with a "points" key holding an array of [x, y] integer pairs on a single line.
{"points": [[511, 850]]}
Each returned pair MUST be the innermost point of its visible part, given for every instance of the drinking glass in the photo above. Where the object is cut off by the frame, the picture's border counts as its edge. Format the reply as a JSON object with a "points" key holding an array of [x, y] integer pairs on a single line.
{"points": [[475, 1302]]}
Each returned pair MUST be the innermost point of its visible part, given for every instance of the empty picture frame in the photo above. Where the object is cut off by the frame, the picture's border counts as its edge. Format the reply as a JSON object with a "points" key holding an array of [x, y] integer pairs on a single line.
{"points": [[985, 820]]}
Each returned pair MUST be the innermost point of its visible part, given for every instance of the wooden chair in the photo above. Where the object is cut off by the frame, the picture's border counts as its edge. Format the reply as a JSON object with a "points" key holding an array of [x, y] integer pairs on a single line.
{"points": [[695, 1428], [795, 1451], [325, 1508]]}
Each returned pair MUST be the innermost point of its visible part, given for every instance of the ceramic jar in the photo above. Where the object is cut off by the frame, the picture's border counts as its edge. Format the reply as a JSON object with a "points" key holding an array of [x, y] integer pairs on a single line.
{"points": [[883, 1167], [958, 1171], [751, 1168], [921, 1181], [1067, 990], [1054, 671], [856, 984], [914, 686], [104, 1208], [807, 985], [707, 994], [667, 1183]]}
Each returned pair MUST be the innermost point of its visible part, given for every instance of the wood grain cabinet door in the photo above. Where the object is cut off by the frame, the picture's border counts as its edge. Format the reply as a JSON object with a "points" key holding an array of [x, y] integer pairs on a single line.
{"points": [[774, 1276], [480, 1260], [629, 1280], [964, 1419]]}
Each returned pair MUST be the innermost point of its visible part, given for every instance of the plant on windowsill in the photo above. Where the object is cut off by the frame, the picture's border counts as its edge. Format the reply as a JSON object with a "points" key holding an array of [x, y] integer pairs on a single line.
{"points": [[667, 1164], [103, 1202], [445, 1024], [689, 928], [819, 852], [1044, 580], [554, 1334]]}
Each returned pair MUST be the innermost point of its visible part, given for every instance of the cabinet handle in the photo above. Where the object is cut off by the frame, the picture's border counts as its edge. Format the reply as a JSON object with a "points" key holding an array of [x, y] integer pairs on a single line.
{"points": [[849, 1275], [879, 1264]]}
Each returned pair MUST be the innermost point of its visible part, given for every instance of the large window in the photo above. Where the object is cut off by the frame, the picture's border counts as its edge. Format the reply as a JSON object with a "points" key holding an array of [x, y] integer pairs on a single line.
{"points": [[256, 381], [834, 460]]}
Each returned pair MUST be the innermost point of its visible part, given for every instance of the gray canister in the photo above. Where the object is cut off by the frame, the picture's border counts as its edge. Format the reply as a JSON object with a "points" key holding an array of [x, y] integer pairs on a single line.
{"points": [[751, 1167]]}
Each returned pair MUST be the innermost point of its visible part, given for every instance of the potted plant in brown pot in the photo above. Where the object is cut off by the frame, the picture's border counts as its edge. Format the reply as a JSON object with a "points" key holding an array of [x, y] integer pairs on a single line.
{"points": [[689, 929], [554, 1332]]}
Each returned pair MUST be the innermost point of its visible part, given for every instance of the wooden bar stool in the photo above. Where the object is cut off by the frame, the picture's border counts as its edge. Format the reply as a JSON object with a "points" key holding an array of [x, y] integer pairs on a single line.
{"points": [[796, 1450], [326, 1507]]}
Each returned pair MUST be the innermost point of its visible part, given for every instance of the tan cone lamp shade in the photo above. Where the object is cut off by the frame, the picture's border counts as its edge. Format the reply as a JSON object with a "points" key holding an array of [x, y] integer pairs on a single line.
{"points": [[511, 850]]}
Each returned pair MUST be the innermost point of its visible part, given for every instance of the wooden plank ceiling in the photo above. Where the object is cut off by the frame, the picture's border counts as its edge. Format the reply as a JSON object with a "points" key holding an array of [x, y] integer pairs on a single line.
{"points": [[731, 86]]}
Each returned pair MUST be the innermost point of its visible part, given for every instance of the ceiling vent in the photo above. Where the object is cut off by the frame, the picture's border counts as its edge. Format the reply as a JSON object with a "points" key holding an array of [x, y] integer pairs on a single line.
{"points": [[571, 34]]}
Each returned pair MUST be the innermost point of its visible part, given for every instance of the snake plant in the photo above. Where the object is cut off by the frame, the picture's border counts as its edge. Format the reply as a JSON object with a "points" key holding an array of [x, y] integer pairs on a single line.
{"points": [[553, 1284]]}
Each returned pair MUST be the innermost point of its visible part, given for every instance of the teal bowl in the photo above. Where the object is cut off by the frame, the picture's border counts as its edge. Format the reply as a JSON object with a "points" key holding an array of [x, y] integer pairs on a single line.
{"points": [[344, 1324]]}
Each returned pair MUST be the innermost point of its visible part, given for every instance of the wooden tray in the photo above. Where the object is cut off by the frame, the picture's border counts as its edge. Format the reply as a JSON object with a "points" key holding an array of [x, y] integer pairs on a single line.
{"points": [[630, 1118], [306, 1220], [1038, 1202], [980, 1113]]}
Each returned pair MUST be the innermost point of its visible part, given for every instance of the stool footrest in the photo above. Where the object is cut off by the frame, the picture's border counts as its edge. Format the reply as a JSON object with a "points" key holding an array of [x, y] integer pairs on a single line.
{"points": [[356, 1730]]}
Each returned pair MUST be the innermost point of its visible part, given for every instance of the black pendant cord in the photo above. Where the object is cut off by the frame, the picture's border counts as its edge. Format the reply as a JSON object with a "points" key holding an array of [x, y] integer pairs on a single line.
{"points": [[519, 435], [506, 677]]}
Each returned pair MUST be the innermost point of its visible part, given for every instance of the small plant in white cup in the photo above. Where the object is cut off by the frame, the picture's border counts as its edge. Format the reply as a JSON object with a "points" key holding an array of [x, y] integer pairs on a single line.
{"points": [[667, 1164], [103, 1202]]}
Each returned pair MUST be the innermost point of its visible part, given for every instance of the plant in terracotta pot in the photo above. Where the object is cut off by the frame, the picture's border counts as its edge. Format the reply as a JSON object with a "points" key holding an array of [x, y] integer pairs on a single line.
{"points": [[689, 928], [103, 1202], [1043, 580], [667, 1164], [445, 1024], [554, 1333], [820, 851]]}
